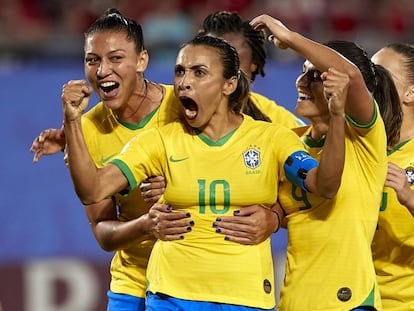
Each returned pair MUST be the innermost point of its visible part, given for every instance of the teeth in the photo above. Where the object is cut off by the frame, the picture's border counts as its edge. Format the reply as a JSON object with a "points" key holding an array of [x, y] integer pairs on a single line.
{"points": [[190, 114], [303, 96], [108, 84]]}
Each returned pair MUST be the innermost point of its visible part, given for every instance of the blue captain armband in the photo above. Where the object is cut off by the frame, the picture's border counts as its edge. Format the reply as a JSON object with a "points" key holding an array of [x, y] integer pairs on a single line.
{"points": [[297, 166]]}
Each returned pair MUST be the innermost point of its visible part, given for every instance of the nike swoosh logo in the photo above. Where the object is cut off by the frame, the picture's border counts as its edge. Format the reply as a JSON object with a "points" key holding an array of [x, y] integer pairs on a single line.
{"points": [[177, 160], [106, 159]]}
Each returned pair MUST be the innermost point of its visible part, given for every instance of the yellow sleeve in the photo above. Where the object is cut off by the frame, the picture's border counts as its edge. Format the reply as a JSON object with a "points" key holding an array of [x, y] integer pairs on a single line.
{"points": [[278, 114]]}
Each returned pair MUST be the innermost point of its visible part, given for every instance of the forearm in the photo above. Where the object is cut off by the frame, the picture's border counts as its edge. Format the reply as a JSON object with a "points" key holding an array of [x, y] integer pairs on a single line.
{"points": [[82, 169], [115, 235], [321, 56], [359, 103], [332, 159]]}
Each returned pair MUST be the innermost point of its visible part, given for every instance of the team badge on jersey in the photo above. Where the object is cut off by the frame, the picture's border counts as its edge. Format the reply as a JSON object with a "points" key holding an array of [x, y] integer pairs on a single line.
{"points": [[251, 158], [409, 172]]}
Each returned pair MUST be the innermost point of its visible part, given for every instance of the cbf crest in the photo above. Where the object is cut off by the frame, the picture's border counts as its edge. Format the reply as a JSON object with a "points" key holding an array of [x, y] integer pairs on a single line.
{"points": [[409, 172], [252, 158]]}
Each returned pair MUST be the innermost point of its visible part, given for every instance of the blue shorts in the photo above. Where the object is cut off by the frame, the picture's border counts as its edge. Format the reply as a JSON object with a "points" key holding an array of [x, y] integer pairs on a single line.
{"points": [[124, 302], [161, 302]]}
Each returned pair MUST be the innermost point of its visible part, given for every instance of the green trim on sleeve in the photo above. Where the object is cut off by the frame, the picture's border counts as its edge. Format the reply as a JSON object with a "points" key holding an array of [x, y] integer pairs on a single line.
{"points": [[314, 144], [356, 124], [126, 171]]}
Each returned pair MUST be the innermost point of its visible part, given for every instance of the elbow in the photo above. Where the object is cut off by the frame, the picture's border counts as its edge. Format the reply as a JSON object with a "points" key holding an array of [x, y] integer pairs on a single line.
{"points": [[329, 189], [107, 246], [88, 198], [329, 195], [352, 71], [105, 240]]}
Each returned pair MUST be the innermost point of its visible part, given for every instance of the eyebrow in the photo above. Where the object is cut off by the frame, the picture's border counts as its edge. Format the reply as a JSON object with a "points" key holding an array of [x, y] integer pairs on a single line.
{"points": [[194, 67], [199, 66], [110, 52]]}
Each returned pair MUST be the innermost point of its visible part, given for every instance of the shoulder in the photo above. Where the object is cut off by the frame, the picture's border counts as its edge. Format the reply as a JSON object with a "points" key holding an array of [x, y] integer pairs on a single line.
{"points": [[169, 93], [374, 128], [277, 113], [170, 129], [99, 111], [170, 103], [261, 100], [267, 127]]}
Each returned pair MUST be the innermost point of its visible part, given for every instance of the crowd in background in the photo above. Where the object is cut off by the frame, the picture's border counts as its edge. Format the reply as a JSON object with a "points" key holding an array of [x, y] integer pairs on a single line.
{"points": [[52, 29]]}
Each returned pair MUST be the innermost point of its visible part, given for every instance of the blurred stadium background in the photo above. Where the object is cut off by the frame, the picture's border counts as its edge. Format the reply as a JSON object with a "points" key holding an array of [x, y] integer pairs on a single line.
{"points": [[49, 260]]}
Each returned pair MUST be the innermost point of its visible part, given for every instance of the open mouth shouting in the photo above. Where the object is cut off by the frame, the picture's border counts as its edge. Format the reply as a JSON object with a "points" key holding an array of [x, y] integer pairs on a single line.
{"points": [[190, 107], [109, 88]]}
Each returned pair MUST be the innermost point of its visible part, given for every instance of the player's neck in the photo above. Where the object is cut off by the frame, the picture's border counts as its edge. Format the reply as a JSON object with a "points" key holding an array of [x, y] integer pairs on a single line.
{"points": [[220, 128]]}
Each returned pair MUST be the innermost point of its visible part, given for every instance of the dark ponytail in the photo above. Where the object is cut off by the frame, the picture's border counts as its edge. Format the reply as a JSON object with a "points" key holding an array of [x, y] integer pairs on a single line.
{"points": [[231, 68], [379, 82]]}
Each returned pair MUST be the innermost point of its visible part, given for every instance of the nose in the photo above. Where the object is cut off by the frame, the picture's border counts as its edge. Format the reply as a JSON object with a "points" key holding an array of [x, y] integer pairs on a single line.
{"points": [[184, 87], [302, 80], [103, 69], [184, 82]]}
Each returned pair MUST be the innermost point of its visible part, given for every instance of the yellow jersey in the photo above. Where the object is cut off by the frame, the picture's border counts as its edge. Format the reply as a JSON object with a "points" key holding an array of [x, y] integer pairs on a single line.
{"points": [[210, 179]]}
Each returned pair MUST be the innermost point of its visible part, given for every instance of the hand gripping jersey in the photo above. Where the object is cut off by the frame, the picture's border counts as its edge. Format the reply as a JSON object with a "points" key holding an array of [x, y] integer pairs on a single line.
{"points": [[105, 136], [393, 245], [211, 179], [329, 263]]}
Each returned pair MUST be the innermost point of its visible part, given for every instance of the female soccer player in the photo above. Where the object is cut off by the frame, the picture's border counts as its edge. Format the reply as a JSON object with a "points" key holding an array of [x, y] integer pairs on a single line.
{"points": [[329, 262], [393, 245], [215, 161]]}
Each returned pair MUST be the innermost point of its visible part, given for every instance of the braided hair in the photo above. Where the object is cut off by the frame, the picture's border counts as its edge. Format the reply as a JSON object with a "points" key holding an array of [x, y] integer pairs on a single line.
{"points": [[223, 22]]}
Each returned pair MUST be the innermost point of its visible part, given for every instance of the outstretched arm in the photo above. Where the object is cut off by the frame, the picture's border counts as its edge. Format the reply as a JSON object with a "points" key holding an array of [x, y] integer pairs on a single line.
{"points": [[91, 184], [359, 103]]}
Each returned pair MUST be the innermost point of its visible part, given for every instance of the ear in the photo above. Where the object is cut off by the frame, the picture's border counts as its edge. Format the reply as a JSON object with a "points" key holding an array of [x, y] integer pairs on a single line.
{"points": [[408, 95], [142, 61], [230, 85], [253, 67]]}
